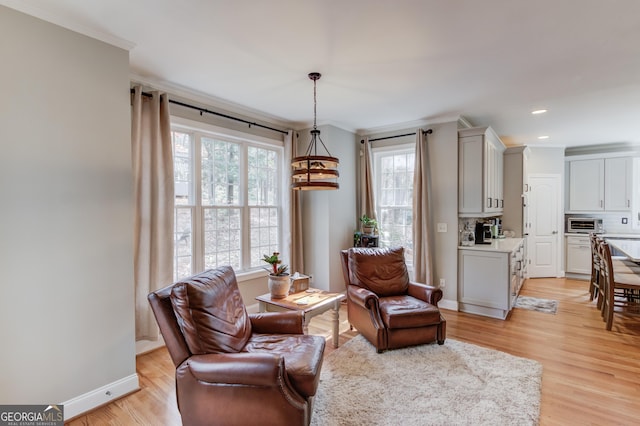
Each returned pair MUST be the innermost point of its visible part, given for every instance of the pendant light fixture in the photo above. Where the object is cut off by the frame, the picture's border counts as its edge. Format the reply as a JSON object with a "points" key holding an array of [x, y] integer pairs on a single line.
{"points": [[313, 171]]}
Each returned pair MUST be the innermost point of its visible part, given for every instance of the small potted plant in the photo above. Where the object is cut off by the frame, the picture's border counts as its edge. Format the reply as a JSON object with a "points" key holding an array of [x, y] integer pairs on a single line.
{"points": [[369, 225], [279, 282]]}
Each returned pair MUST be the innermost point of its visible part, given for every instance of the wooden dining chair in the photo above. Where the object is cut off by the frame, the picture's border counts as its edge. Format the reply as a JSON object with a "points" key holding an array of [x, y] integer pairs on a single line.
{"points": [[620, 290], [620, 266], [596, 280]]}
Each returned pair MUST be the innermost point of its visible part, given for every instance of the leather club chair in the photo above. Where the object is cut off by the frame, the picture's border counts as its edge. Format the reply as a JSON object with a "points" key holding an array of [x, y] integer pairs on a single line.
{"points": [[233, 368], [388, 309]]}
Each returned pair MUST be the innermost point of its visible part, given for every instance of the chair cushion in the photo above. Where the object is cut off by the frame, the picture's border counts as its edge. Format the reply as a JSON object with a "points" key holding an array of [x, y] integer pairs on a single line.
{"points": [[380, 270], [407, 312], [211, 313], [302, 357]]}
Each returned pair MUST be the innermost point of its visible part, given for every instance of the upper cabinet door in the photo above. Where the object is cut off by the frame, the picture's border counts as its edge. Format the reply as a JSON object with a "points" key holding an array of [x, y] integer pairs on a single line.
{"points": [[480, 165], [471, 197], [586, 185], [618, 182]]}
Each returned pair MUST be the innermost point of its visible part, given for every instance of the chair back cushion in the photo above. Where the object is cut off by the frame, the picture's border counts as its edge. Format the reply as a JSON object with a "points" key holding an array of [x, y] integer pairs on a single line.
{"points": [[380, 270], [211, 313]]}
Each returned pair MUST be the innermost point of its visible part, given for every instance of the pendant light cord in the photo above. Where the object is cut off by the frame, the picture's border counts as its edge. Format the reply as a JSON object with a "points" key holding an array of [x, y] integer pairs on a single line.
{"points": [[315, 104]]}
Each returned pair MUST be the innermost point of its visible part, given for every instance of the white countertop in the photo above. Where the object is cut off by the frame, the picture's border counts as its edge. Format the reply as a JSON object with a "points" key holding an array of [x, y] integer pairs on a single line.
{"points": [[506, 245], [605, 235], [631, 248], [609, 235]]}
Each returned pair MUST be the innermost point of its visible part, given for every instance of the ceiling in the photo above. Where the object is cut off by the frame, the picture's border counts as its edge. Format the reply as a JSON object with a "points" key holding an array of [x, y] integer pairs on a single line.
{"points": [[389, 64]]}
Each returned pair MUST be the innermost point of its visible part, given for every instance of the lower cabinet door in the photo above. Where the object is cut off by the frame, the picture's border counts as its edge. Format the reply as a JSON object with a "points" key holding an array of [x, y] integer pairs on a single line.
{"points": [[484, 279], [578, 256]]}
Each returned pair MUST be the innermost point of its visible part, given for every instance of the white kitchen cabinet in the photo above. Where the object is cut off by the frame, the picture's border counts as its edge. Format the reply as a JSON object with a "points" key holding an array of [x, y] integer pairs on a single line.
{"points": [[586, 185], [578, 254], [618, 183], [480, 165], [490, 278], [516, 190], [600, 184]]}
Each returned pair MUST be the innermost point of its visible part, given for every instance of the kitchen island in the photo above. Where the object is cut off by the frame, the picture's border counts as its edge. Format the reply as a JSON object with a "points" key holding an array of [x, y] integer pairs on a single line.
{"points": [[630, 248], [490, 276]]}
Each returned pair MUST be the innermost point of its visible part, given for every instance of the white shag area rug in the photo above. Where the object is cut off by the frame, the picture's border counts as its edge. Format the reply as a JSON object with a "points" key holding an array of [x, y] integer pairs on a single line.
{"points": [[453, 384]]}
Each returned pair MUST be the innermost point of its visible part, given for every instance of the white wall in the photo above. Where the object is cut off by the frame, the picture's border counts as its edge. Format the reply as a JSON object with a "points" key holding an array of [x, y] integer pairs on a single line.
{"points": [[546, 160], [329, 217], [66, 310], [443, 158]]}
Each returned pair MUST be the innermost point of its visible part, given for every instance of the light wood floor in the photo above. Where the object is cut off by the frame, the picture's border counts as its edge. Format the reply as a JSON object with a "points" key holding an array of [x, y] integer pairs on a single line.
{"points": [[591, 376]]}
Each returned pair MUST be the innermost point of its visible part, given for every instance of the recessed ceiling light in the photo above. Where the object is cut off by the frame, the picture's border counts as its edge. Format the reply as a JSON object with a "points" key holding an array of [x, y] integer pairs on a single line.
{"points": [[543, 137], [538, 111]]}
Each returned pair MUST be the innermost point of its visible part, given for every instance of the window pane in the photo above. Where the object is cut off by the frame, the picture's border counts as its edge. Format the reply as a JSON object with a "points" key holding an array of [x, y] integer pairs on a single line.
{"points": [[394, 192], [263, 173], [183, 243], [220, 173], [221, 240], [264, 233], [182, 167]]}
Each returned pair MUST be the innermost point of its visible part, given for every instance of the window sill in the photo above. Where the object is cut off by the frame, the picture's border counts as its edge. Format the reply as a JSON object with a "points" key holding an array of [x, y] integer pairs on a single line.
{"points": [[250, 275]]}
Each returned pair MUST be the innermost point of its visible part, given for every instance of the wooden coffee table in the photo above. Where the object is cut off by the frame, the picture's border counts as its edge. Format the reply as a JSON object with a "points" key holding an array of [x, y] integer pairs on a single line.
{"points": [[311, 302]]}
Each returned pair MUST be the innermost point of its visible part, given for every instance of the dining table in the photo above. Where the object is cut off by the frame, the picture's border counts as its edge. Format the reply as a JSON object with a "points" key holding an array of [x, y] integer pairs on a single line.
{"points": [[629, 248]]}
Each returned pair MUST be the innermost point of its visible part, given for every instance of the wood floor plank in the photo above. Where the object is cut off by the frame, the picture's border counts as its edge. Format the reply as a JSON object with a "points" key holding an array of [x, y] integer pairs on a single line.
{"points": [[591, 376]]}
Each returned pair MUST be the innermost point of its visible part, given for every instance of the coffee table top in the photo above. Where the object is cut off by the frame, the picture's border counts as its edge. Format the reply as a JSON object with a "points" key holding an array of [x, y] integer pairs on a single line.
{"points": [[307, 300]]}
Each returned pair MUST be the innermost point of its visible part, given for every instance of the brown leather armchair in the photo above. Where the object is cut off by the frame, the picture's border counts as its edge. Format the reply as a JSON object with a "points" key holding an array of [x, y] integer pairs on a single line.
{"points": [[388, 309], [233, 368]]}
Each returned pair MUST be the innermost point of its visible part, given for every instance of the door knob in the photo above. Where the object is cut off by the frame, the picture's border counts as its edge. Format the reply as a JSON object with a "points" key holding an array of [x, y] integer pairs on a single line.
{"points": [[554, 232]]}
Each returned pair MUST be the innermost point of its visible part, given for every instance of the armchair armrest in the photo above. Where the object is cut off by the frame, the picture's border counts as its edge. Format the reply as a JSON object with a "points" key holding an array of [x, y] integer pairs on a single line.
{"points": [[288, 322], [250, 369], [363, 297], [427, 293]]}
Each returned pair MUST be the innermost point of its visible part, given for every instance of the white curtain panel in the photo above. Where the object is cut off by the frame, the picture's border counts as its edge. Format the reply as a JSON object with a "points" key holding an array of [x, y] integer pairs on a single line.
{"points": [[367, 198], [154, 197], [422, 258]]}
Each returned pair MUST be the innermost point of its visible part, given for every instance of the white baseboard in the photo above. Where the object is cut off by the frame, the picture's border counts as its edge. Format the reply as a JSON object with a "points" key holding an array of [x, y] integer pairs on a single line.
{"points": [[451, 305], [101, 396]]}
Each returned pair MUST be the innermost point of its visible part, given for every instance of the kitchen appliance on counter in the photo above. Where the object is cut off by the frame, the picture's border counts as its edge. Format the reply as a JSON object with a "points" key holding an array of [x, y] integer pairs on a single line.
{"points": [[584, 225], [468, 238], [496, 229], [483, 233]]}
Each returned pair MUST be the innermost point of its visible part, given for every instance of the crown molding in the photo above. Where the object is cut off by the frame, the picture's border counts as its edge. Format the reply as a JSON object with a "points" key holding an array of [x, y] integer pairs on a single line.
{"points": [[189, 95], [611, 148], [407, 125]]}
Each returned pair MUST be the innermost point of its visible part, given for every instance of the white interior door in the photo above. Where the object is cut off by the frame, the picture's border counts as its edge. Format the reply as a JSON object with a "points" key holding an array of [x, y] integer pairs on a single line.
{"points": [[544, 225]]}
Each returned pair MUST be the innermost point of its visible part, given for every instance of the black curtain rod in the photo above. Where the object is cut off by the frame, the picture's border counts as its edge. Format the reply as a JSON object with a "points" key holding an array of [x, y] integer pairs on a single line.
{"points": [[426, 132], [219, 114]]}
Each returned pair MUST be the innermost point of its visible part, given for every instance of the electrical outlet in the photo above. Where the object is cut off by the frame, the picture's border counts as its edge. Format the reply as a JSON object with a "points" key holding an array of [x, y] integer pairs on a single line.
{"points": [[442, 227], [624, 220], [442, 283]]}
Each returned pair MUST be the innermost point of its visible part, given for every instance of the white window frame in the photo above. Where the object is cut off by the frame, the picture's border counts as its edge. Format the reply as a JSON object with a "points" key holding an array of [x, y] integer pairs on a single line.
{"points": [[377, 154], [245, 140]]}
